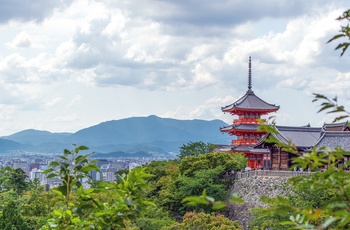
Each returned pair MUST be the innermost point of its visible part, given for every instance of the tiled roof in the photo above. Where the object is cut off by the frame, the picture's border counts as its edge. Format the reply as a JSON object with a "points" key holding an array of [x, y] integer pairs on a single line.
{"points": [[332, 139], [335, 126], [299, 136], [251, 101]]}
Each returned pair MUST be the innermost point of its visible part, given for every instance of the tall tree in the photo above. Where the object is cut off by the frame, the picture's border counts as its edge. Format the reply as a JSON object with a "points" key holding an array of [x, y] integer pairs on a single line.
{"points": [[195, 149], [17, 181], [13, 179]]}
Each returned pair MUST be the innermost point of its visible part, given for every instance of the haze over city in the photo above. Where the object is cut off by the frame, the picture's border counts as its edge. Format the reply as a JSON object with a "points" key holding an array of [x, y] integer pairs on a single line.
{"points": [[67, 65]]}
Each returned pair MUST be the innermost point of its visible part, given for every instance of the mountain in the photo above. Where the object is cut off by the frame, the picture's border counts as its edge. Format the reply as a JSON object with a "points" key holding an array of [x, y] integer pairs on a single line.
{"points": [[145, 134], [8, 146]]}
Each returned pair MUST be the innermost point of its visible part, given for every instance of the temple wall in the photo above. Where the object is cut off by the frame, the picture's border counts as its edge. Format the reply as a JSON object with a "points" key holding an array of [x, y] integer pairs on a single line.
{"points": [[284, 165]]}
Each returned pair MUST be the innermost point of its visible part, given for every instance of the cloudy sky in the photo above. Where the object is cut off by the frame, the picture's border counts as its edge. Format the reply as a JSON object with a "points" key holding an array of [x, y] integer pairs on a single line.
{"points": [[67, 65]]}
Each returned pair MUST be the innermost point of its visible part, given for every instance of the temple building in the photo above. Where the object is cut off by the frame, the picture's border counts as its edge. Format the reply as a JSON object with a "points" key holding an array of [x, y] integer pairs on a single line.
{"points": [[249, 110], [263, 154], [304, 139]]}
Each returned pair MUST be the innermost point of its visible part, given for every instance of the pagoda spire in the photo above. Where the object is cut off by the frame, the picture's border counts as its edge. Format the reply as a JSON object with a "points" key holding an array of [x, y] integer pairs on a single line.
{"points": [[250, 74]]}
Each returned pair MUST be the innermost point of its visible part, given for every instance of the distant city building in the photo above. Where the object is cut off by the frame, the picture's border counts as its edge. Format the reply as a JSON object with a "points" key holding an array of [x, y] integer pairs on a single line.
{"points": [[37, 173], [134, 165], [109, 176]]}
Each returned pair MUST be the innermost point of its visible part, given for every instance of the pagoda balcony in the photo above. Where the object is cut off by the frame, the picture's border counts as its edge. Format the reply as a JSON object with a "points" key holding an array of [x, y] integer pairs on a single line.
{"points": [[244, 142], [247, 121]]}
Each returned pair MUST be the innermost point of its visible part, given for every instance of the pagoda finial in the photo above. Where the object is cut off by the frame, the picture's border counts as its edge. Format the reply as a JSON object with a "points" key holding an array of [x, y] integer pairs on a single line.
{"points": [[250, 74]]}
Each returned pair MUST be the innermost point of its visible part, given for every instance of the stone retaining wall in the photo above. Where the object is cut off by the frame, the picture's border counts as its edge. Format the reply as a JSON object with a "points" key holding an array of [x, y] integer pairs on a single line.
{"points": [[250, 189]]}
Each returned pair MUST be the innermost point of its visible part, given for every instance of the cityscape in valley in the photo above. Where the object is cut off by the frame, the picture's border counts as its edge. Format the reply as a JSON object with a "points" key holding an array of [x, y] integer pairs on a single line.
{"points": [[111, 142]]}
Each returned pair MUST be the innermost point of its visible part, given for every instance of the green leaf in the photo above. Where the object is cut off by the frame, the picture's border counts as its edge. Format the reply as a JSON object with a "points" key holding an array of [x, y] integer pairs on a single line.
{"points": [[57, 212], [194, 200], [89, 168], [48, 171], [52, 175], [236, 200], [219, 205], [328, 222]]}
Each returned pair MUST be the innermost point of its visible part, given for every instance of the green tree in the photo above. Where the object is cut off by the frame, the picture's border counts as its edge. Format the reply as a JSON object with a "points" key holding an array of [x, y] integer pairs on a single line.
{"points": [[121, 172], [13, 179], [203, 221], [195, 149], [72, 169], [33, 184], [4, 178], [209, 180], [17, 181], [175, 180], [155, 218], [11, 218], [229, 161], [36, 205]]}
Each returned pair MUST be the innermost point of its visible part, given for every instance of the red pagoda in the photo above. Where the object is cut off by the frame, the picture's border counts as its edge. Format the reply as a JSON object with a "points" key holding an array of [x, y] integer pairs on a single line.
{"points": [[249, 109]]}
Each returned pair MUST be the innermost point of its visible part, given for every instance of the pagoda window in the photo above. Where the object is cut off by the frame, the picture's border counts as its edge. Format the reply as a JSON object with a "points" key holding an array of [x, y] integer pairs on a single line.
{"points": [[245, 137]]}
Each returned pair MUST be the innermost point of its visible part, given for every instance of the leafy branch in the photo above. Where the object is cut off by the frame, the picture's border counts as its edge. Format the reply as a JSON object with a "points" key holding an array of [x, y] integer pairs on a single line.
{"points": [[330, 106], [344, 33]]}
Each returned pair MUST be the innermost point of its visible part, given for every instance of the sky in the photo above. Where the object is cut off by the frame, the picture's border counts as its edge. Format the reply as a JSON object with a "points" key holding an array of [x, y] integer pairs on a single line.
{"points": [[68, 65]]}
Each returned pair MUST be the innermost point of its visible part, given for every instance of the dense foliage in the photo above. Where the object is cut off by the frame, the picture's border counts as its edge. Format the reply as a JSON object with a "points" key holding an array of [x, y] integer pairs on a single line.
{"points": [[203, 221], [149, 197], [176, 180]]}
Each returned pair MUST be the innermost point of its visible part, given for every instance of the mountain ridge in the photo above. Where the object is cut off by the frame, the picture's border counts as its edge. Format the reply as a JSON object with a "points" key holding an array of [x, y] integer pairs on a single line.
{"points": [[151, 133]]}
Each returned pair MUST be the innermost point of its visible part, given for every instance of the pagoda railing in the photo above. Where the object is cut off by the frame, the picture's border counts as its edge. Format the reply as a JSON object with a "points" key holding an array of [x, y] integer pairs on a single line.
{"points": [[270, 173], [244, 142], [246, 121]]}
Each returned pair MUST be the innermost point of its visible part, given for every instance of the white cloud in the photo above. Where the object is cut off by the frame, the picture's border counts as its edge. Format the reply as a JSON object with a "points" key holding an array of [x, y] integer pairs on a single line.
{"points": [[56, 56], [54, 102], [22, 40]]}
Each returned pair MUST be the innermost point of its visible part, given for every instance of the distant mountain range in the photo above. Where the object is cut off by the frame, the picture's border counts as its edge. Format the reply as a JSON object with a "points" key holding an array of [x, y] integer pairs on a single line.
{"points": [[150, 135]]}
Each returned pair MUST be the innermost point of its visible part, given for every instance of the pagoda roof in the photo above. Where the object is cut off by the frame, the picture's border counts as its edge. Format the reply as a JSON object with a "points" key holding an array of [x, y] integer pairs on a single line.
{"points": [[333, 139], [250, 127], [241, 148], [250, 102]]}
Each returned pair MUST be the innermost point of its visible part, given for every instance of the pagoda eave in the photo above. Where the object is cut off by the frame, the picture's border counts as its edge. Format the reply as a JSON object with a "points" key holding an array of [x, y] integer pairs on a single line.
{"points": [[235, 132], [238, 111]]}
